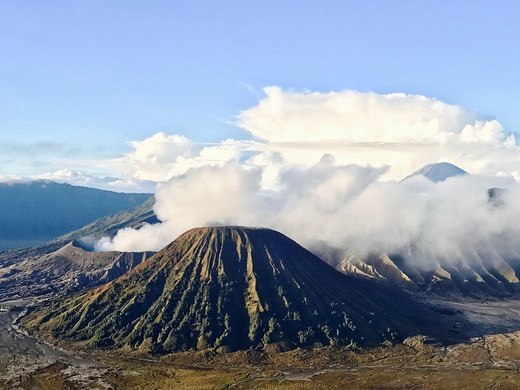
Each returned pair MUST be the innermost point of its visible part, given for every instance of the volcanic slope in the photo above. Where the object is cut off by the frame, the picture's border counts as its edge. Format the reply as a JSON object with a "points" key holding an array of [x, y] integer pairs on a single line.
{"points": [[234, 288], [69, 269], [481, 273], [476, 274]]}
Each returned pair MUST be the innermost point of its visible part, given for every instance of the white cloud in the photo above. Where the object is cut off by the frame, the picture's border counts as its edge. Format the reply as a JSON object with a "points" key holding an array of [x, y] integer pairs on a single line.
{"points": [[325, 173], [286, 116], [490, 132], [149, 237], [162, 157], [210, 195], [397, 132], [153, 157], [5, 178], [228, 194], [78, 178], [342, 209], [401, 131]]}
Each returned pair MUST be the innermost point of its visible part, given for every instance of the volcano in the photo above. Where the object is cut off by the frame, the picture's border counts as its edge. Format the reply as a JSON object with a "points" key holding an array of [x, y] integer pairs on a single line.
{"points": [[69, 269], [231, 288], [438, 172]]}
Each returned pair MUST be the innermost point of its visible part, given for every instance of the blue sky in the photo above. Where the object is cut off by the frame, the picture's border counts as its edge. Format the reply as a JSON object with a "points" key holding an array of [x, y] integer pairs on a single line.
{"points": [[79, 80]]}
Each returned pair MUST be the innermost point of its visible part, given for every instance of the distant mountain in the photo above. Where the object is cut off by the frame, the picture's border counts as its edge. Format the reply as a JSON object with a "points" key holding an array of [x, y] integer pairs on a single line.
{"points": [[37, 211], [438, 172], [105, 226], [69, 269], [230, 288]]}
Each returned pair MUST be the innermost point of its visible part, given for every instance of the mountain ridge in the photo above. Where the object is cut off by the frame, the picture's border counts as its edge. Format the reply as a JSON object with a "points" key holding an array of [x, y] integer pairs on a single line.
{"points": [[43, 210]]}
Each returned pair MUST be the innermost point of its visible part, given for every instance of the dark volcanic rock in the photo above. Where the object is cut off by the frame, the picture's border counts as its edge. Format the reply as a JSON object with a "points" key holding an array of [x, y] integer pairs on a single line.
{"points": [[233, 288]]}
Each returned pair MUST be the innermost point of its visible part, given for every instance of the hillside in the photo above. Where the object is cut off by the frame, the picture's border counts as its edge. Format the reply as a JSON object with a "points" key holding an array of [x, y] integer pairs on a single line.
{"points": [[108, 226], [69, 269], [474, 274], [38, 211], [105, 226], [231, 288]]}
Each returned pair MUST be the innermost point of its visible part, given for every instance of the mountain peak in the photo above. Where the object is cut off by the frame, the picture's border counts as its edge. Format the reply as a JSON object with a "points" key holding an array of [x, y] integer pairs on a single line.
{"points": [[438, 172]]}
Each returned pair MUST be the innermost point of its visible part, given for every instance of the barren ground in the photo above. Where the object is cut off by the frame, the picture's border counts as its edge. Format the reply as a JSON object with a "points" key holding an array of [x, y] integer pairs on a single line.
{"points": [[491, 361]]}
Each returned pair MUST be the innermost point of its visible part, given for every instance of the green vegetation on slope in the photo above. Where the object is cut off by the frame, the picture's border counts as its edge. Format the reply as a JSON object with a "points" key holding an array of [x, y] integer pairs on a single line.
{"points": [[232, 288], [110, 225]]}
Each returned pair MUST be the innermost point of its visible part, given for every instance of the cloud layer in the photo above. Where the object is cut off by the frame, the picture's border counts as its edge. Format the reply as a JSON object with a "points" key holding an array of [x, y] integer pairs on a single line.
{"points": [[398, 131], [324, 169], [78, 178], [346, 210]]}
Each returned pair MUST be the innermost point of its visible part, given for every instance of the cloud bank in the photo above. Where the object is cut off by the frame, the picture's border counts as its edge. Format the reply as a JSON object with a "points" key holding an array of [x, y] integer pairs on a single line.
{"points": [[78, 178], [398, 131], [347, 209], [324, 169], [402, 131]]}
